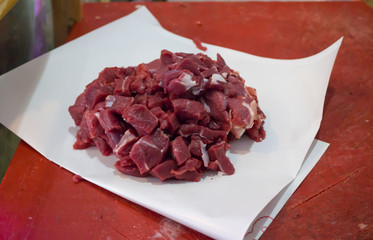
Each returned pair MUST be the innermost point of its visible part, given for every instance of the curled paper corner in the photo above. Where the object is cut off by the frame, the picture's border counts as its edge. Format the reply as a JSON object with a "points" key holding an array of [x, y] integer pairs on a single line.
{"points": [[326, 52]]}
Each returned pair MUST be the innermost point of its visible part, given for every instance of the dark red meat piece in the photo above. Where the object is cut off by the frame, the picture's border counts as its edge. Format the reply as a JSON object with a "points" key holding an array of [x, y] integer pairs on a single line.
{"points": [[257, 134], [96, 93], [123, 147], [108, 75], [169, 122], [180, 85], [103, 146], [208, 73], [141, 119], [141, 99], [188, 109], [122, 85], [109, 121], [90, 126], [210, 136], [156, 101], [77, 110], [150, 150], [82, 143], [127, 166], [198, 149], [187, 64], [113, 138], [167, 76], [189, 171], [186, 130], [234, 88], [158, 112], [167, 57], [180, 150], [217, 154], [217, 103], [118, 104], [163, 170]]}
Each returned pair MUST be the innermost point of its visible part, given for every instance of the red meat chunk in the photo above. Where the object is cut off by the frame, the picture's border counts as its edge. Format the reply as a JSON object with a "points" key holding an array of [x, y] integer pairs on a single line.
{"points": [[217, 104], [198, 149], [186, 130], [90, 126], [155, 101], [158, 112], [113, 138], [210, 136], [150, 150], [82, 143], [127, 166], [180, 85], [167, 57], [180, 150], [108, 75], [187, 64], [77, 110], [257, 134], [217, 154], [188, 171], [188, 109], [109, 121], [169, 122], [103, 146], [243, 114], [123, 147], [141, 119], [118, 104], [122, 85], [96, 93], [163, 170]]}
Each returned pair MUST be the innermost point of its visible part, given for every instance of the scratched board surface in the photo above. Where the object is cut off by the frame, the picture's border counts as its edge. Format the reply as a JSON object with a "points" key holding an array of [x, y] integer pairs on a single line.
{"points": [[338, 186]]}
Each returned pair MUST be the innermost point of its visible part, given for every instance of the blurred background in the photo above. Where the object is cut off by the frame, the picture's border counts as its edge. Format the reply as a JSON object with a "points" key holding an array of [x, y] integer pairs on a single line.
{"points": [[28, 29]]}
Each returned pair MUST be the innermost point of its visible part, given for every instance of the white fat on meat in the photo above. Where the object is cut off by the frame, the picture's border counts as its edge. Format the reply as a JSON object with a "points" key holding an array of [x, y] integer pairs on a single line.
{"points": [[237, 131], [225, 74], [207, 108], [186, 80], [148, 143], [196, 91], [109, 101], [127, 137], [215, 78], [124, 83], [252, 107], [205, 155]]}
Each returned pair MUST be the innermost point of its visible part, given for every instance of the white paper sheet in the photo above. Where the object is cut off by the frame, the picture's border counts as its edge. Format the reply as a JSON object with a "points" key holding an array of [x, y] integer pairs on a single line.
{"points": [[35, 98]]}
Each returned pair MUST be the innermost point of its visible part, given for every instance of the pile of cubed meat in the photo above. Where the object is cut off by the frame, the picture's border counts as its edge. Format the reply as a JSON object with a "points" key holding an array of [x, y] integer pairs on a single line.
{"points": [[171, 118]]}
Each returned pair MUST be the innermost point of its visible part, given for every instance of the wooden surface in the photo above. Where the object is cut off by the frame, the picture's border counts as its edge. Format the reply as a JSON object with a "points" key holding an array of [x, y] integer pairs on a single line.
{"points": [[38, 199]]}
